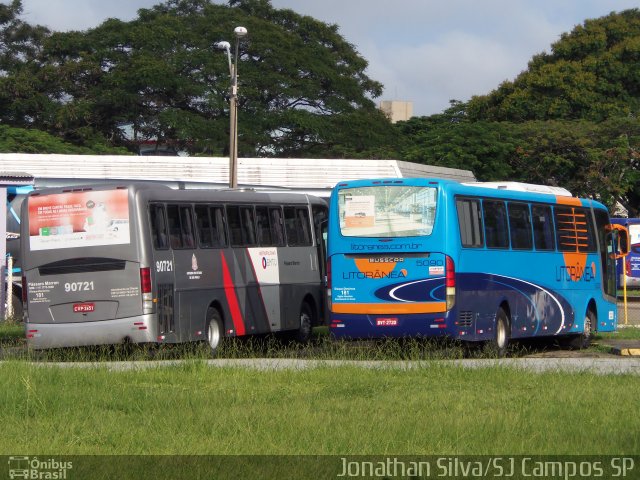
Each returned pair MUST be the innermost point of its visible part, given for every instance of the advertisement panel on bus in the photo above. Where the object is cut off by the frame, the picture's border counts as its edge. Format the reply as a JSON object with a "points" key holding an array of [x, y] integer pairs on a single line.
{"points": [[78, 219]]}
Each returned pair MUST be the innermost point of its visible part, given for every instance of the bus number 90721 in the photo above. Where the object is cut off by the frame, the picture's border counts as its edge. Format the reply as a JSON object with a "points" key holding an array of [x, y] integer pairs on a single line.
{"points": [[164, 266], [78, 286]]}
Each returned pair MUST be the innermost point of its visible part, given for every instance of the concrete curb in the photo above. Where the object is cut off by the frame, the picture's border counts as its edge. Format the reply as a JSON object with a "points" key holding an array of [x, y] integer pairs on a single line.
{"points": [[626, 352]]}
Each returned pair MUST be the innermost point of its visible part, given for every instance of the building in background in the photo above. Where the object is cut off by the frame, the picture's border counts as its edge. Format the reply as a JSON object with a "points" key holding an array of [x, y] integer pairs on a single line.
{"points": [[396, 110], [309, 175]]}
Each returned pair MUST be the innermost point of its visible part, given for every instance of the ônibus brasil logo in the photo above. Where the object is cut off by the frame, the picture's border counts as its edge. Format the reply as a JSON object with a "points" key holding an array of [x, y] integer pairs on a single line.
{"points": [[36, 468]]}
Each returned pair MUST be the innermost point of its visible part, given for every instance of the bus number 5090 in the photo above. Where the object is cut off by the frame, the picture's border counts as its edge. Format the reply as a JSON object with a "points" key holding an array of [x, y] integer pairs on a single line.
{"points": [[78, 286]]}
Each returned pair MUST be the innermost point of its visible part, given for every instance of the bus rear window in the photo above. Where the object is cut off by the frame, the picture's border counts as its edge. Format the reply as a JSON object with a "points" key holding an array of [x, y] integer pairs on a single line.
{"points": [[387, 211]]}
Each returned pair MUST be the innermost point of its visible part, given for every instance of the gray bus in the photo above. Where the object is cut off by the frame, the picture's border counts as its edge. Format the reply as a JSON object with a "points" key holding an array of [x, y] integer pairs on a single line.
{"points": [[139, 263]]}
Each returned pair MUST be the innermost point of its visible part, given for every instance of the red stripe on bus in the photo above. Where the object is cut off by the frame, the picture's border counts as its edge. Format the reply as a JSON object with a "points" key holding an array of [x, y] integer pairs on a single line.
{"points": [[232, 298]]}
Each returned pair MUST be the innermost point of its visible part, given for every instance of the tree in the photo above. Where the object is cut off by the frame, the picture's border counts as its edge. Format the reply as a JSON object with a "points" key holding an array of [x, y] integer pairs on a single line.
{"points": [[24, 99], [22, 140], [451, 140], [303, 90], [591, 73], [570, 120]]}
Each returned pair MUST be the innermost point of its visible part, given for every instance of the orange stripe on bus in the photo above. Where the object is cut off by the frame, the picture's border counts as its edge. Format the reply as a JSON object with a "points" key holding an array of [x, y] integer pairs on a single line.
{"points": [[390, 309], [568, 201]]}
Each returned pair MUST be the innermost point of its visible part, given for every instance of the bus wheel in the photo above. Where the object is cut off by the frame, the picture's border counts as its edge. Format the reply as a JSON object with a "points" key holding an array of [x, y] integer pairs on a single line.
{"points": [[303, 334], [583, 340], [500, 341], [215, 331]]}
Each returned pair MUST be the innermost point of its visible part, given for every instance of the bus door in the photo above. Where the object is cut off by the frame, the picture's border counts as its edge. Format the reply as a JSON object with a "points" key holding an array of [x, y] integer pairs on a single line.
{"points": [[163, 267], [187, 274], [321, 223]]}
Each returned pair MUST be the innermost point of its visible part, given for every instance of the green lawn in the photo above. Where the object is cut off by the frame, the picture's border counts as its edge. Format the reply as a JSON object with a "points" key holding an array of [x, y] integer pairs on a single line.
{"points": [[624, 333], [194, 409], [11, 333]]}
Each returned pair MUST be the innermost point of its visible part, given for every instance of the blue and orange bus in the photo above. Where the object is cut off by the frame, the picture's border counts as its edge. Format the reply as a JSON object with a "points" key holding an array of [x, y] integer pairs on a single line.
{"points": [[477, 262]]}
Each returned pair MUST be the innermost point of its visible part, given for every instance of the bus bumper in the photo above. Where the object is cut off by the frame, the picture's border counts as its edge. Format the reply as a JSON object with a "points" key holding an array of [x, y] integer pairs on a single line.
{"points": [[105, 332], [398, 326]]}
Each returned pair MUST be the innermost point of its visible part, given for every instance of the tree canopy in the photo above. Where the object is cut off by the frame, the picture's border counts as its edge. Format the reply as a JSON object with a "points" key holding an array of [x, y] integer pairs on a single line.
{"points": [[570, 120], [303, 87], [592, 73]]}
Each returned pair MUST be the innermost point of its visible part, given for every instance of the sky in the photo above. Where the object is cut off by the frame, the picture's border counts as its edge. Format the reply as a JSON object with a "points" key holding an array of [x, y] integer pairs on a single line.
{"points": [[423, 51]]}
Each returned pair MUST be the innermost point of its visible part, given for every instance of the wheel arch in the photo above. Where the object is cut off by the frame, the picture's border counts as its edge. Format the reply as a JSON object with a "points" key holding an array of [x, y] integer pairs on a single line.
{"points": [[504, 305], [215, 304], [592, 307], [310, 300]]}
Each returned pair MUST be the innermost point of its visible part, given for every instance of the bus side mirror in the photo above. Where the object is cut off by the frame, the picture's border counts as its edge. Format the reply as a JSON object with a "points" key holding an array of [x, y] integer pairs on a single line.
{"points": [[621, 237]]}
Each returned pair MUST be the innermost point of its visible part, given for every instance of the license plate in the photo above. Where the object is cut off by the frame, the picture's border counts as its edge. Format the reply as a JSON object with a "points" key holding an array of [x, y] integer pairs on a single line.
{"points": [[83, 307], [387, 322]]}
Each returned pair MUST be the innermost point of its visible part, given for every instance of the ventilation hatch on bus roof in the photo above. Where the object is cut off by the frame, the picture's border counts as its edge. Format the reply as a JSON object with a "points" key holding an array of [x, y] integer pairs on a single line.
{"points": [[522, 187]]}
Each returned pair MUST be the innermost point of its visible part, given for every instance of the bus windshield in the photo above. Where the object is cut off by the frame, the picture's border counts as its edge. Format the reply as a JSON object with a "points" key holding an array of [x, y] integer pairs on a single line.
{"points": [[387, 211]]}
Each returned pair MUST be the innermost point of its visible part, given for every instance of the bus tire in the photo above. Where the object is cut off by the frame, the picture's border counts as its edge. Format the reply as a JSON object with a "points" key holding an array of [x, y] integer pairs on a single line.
{"points": [[583, 340], [502, 333], [215, 330], [303, 333]]}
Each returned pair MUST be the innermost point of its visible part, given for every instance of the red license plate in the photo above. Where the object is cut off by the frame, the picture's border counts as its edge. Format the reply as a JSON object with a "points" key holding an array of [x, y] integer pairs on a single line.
{"points": [[83, 307], [387, 322]]}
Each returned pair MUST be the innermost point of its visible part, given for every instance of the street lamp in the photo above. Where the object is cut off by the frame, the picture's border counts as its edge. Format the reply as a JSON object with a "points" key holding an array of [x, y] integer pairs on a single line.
{"points": [[238, 32]]}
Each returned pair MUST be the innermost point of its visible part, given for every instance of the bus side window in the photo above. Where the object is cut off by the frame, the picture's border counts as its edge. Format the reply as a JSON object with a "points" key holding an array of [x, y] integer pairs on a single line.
{"points": [[186, 227], [235, 227], [263, 230], [203, 226], [574, 230], [290, 226], [470, 223], [543, 228], [158, 227], [248, 226], [277, 226], [297, 226], [520, 226], [320, 214], [305, 226], [495, 224], [173, 218], [218, 225], [241, 225]]}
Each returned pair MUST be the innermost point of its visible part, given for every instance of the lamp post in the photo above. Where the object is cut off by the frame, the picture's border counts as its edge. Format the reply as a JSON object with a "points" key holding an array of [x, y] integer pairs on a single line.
{"points": [[238, 32]]}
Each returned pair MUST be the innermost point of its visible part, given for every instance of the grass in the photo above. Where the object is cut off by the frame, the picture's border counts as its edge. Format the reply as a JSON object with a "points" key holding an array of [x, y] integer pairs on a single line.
{"points": [[11, 333], [322, 347], [625, 333], [194, 409]]}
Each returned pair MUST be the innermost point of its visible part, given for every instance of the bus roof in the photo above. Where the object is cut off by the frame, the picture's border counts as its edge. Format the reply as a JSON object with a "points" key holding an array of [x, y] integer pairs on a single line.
{"points": [[506, 190], [310, 175], [522, 187], [163, 192]]}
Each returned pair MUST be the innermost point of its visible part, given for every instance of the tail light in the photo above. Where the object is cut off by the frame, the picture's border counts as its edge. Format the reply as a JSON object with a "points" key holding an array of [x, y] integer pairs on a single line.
{"points": [[145, 288], [145, 280], [450, 282]]}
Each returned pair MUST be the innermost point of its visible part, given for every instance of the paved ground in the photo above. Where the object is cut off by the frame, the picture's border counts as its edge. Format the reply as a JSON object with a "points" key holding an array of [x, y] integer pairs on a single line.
{"points": [[601, 366]]}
